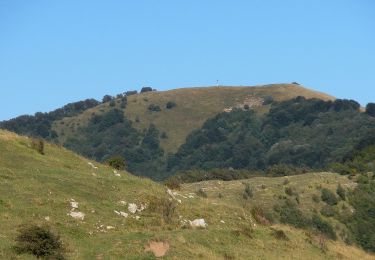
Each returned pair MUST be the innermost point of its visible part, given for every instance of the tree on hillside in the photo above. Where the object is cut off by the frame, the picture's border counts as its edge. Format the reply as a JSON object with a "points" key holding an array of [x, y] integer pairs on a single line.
{"points": [[116, 162], [146, 89], [107, 98], [370, 109]]}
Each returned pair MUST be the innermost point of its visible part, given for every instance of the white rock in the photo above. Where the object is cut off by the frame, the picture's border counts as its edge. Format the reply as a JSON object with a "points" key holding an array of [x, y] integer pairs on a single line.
{"points": [[198, 223], [118, 213], [137, 217], [122, 202], [110, 227], [74, 204], [222, 221], [47, 218], [124, 214], [114, 171], [132, 207], [141, 207], [77, 215], [117, 174]]}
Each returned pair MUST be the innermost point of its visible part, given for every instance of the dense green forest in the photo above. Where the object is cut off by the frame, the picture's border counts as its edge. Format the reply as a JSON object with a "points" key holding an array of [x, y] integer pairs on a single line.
{"points": [[40, 124], [306, 133], [112, 134]]}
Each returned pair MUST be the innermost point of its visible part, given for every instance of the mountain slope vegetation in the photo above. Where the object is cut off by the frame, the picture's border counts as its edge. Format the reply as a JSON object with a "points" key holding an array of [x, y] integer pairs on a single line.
{"points": [[301, 132], [47, 185], [193, 106]]}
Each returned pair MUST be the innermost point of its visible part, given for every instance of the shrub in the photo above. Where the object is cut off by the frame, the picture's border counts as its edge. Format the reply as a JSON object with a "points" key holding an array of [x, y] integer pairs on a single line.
{"points": [[201, 193], [170, 105], [107, 98], [248, 192], [327, 211], [289, 191], [290, 214], [245, 230], [324, 227], [173, 183], [285, 182], [112, 103], [163, 135], [280, 235], [370, 109], [116, 162], [267, 100], [328, 197], [131, 92], [154, 108], [169, 210], [246, 107], [315, 198], [38, 145], [341, 192], [146, 89], [39, 241], [259, 216]]}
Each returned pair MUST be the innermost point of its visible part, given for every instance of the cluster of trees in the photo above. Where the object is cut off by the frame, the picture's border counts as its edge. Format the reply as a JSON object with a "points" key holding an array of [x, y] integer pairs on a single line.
{"points": [[305, 133], [40, 124], [112, 134]]}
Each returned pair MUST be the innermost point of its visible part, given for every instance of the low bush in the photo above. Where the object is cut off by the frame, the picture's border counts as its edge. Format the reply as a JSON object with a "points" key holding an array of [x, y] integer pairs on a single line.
{"points": [[38, 145], [290, 214], [201, 193], [40, 242], [170, 105], [173, 183], [260, 216], [341, 192], [154, 108], [289, 191], [248, 192], [280, 235], [327, 211], [328, 197], [315, 198], [116, 162], [324, 227]]}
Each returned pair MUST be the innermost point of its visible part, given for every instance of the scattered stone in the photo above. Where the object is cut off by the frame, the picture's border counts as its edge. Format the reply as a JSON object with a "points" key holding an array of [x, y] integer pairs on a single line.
{"points": [[137, 217], [110, 227], [222, 221], [73, 204], [92, 165], [77, 215], [122, 202], [117, 175], [121, 213], [47, 218], [198, 223], [132, 207], [124, 214]]}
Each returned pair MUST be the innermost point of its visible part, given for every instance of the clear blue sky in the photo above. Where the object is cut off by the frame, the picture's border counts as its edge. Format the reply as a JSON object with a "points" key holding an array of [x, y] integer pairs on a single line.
{"points": [[55, 52]]}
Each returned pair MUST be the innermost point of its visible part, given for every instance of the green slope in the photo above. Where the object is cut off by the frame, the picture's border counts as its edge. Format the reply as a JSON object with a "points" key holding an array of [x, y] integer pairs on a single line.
{"points": [[194, 106], [38, 189]]}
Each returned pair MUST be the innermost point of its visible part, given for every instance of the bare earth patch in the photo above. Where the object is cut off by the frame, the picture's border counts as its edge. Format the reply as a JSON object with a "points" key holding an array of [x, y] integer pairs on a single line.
{"points": [[159, 249]]}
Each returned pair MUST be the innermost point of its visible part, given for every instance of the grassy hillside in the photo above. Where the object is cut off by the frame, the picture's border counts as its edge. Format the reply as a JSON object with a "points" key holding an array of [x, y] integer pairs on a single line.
{"points": [[38, 189], [194, 106]]}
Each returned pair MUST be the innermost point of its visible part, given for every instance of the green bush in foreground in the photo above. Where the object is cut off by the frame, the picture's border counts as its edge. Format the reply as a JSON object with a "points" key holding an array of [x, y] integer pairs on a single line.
{"points": [[40, 242]]}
